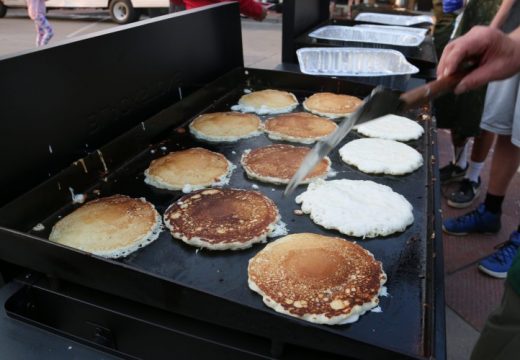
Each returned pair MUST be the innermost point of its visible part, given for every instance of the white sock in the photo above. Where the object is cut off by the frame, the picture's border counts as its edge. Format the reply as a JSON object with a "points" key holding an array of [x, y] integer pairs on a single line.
{"points": [[461, 155], [474, 170]]}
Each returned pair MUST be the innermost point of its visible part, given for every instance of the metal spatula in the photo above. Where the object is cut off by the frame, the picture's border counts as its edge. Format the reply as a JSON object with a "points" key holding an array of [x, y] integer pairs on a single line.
{"points": [[380, 102]]}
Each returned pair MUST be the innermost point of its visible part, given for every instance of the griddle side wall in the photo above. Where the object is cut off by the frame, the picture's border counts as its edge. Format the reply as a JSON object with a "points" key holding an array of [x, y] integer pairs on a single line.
{"points": [[62, 102]]}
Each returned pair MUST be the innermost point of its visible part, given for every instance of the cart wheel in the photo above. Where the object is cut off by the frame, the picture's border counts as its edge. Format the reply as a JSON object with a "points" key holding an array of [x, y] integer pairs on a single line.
{"points": [[122, 11], [3, 9]]}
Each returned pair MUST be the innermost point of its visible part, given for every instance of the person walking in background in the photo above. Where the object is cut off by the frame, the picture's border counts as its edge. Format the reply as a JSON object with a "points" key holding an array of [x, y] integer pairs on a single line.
{"points": [[37, 12]]}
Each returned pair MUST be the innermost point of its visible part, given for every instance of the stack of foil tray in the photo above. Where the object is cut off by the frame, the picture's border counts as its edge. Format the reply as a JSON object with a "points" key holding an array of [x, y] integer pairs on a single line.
{"points": [[367, 35], [409, 30], [358, 62], [391, 19]]}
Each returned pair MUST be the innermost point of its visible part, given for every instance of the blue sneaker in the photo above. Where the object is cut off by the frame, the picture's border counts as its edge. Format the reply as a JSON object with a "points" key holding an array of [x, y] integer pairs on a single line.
{"points": [[476, 221], [498, 264]]}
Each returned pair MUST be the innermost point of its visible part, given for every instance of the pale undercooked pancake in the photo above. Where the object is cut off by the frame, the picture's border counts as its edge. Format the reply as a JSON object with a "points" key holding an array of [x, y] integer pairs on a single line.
{"points": [[225, 126], [189, 170], [331, 105], [391, 127], [356, 207], [277, 164], [111, 227], [320, 279], [267, 102], [299, 127], [380, 156], [221, 219]]}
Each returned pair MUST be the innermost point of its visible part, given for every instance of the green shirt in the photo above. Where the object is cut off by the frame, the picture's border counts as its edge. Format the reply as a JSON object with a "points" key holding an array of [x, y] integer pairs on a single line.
{"points": [[513, 276]]}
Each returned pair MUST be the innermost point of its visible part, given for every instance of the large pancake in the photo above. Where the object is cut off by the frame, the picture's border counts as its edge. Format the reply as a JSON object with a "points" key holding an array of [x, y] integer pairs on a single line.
{"points": [[112, 227], [356, 207], [278, 163], [391, 127], [331, 105], [381, 156], [320, 279], [188, 170], [225, 126], [267, 102], [221, 219], [299, 127]]}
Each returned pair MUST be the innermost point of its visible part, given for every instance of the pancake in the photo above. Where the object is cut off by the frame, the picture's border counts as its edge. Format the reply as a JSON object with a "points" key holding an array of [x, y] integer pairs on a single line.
{"points": [[277, 164], [331, 105], [189, 170], [221, 219], [225, 126], [299, 127], [267, 102], [111, 227], [320, 279], [356, 207], [391, 127], [380, 156]]}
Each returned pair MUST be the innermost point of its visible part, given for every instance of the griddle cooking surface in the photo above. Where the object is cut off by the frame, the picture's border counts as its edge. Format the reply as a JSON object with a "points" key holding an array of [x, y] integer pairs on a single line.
{"points": [[224, 273]]}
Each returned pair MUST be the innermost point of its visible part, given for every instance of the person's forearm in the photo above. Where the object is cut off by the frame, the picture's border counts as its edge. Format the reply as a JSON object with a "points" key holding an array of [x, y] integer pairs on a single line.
{"points": [[502, 13]]}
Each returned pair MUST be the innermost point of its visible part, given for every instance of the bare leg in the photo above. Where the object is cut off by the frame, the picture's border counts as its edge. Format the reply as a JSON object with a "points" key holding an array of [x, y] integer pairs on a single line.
{"points": [[482, 145], [506, 160]]}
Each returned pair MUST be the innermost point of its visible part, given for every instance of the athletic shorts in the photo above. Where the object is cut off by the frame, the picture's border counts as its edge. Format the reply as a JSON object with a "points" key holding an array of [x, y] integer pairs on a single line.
{"points": [[502, 108]]}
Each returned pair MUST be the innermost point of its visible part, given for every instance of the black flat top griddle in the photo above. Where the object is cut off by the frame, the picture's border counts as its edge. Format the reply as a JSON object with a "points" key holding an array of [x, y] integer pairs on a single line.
{"points": [[404, 328]]}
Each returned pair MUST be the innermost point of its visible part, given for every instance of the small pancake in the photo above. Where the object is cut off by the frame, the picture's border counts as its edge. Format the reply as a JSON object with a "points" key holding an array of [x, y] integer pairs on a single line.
{"points": [[188, 170], [331, 105], [391, 127], [267, 102], [381, 156], [225, 126], [356, 207], [221, 219], [320, 279], [111, 227], [277, 164], [299, 127]]}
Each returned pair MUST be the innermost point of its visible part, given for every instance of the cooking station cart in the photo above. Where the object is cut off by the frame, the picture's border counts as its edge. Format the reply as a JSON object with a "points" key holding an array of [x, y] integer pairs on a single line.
{"points": [[95, 130]]}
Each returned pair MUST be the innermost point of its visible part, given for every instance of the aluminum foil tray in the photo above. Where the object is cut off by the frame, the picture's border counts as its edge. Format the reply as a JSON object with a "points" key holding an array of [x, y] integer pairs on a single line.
{"points": [[367, 35], [353, 62], [390, 19], [410, 30]]}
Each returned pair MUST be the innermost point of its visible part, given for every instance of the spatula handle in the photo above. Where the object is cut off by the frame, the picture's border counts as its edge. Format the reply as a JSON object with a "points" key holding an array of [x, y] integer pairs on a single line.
{"points": [[431, 90]]}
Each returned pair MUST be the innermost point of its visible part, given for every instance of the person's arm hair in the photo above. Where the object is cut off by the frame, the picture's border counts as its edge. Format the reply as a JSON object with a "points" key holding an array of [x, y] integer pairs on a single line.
{"points": [[497, 56], [501, 14]]}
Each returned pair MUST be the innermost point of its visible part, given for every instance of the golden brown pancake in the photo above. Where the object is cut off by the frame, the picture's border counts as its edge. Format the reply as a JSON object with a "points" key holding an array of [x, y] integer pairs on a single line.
{"points": [[331, 105], [112, 227], [225, 126], [299, 127], [195, 168], [320, 279], [221, 219], [267, 102], [277, 164]]}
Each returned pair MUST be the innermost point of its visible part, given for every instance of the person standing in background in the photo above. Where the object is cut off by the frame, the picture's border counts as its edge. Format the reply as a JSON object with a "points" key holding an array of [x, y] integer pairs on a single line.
{"points": [[37, 12], [247, 7]]}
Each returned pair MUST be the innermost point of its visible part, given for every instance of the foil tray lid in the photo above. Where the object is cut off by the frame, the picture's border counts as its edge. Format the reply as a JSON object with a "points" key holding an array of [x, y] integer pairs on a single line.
{"points": [[353, 62], [392, 19], [367, 35]]}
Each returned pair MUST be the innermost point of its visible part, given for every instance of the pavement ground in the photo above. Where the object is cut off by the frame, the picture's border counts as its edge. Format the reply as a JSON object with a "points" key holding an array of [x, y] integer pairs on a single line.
{"points": [[470, 295]]}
